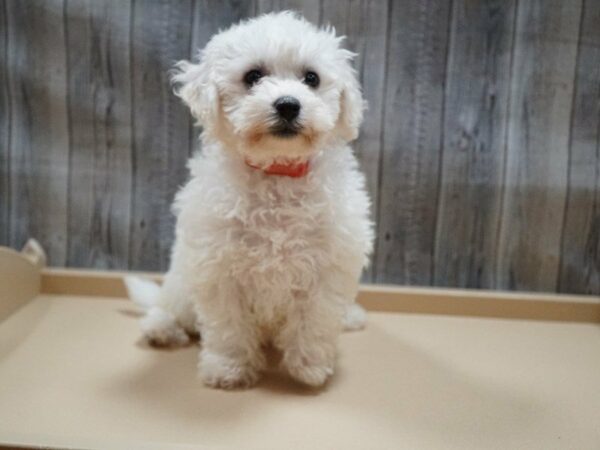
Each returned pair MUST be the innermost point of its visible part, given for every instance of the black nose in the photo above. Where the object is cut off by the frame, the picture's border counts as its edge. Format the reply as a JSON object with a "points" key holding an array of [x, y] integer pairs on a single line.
{"points": [[287, 107]]}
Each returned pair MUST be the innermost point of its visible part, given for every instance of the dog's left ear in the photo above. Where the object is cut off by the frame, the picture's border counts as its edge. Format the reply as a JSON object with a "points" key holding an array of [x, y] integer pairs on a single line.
{"points": [[352, 106], [192, 84]]}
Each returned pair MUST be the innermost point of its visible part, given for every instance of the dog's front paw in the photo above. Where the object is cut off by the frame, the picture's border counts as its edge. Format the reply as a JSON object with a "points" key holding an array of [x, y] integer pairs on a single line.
{"points": [[221, 371]]}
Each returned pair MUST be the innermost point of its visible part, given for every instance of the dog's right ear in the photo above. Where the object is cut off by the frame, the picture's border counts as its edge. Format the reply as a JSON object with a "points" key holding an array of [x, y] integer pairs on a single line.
{"points": [[192, 84]]}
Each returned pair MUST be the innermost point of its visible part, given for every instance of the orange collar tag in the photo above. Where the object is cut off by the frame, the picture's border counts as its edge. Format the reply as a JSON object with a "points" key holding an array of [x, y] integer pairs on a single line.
{"points": [[293, 170]]}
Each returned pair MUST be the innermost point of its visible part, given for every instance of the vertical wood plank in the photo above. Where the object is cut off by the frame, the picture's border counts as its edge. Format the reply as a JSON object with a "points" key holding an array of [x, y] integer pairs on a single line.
{"points": [[364, 22], [160, 36], [310, 9], [39, 127], [92, 94], [100, 133], [5, 125], [412, 117], [210, 16], [580, 258], [537, 152], [475, 122]]}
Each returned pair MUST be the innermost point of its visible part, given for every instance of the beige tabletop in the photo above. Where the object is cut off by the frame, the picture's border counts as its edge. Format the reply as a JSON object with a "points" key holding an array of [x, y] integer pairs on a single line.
{"points": [[74, 373]]}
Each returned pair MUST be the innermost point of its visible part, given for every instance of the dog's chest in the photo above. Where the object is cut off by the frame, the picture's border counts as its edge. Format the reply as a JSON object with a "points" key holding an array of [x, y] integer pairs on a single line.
{"points": [[284, 239]]}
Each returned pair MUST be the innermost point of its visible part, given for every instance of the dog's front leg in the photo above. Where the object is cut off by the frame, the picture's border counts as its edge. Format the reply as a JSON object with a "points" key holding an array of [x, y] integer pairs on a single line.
{"points": [[308, 339], [231, 354]]}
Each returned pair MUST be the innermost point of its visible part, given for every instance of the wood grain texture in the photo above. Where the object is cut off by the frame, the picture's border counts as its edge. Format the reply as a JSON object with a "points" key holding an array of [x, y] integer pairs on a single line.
{"points": [[357, 21], [415, 75], [209, 16], [537, 147], [481, 144], [311, 9], [100, 133], [39, 138], [475, 122], [160, 36], [5, 124], [580, 262]]}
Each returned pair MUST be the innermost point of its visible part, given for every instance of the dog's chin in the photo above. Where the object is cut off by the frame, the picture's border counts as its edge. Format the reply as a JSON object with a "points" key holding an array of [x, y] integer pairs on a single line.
{"points": [[282, 140], [285, 131], [280, 144]]}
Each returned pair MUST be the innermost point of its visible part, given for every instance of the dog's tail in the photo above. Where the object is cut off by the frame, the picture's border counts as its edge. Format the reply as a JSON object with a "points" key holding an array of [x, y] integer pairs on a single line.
{"points": [[144, 293]]}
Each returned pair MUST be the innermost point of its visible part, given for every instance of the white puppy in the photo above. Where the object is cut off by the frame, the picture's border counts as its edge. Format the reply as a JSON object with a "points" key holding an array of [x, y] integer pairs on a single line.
{"points": [[273, 227]]}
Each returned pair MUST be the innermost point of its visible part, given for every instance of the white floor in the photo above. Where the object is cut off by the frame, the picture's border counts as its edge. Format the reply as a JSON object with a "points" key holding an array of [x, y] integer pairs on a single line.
{"points": [[73, 372]]}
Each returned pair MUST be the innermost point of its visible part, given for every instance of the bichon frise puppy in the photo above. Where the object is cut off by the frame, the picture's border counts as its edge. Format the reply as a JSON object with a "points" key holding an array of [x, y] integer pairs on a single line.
{"points": [[273, 227]]}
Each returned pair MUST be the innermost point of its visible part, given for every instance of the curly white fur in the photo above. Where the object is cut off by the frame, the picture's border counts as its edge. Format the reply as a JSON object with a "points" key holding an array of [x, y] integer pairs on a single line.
{"points": [[266, 259]]}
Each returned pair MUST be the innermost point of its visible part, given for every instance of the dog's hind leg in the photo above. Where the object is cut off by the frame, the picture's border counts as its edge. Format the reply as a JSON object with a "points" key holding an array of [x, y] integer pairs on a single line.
{"points": [[169, 318], [162, 330], [354, 317]]}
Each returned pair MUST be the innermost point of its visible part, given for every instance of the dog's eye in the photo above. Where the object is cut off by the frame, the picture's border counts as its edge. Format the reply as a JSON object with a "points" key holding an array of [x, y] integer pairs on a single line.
{"points": [[311, 79], [252, 77]]}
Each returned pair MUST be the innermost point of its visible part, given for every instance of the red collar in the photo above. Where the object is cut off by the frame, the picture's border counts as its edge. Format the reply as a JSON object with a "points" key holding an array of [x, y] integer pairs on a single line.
{"points": [[293, 170]]}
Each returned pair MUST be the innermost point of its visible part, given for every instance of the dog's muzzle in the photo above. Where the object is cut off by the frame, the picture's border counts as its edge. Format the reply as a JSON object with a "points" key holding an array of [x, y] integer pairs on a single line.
{"points": [[287, 110]]}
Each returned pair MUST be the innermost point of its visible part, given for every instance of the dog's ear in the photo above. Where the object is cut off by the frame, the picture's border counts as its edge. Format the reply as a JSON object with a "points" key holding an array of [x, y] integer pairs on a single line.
{"points": [[352, 106], [193, 85]]}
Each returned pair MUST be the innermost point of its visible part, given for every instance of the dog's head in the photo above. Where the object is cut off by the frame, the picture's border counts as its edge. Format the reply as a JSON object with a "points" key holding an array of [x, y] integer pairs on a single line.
{"points": [[273, 88]]}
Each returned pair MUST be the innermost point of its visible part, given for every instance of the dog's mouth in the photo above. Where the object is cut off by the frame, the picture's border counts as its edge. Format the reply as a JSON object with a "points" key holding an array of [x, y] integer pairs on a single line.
{"points": [[292, 135], [285, 130]]}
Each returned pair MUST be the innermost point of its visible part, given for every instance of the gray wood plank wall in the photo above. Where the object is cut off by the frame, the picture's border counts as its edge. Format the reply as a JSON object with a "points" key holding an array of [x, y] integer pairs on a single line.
{"points": [[481, 144]]}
